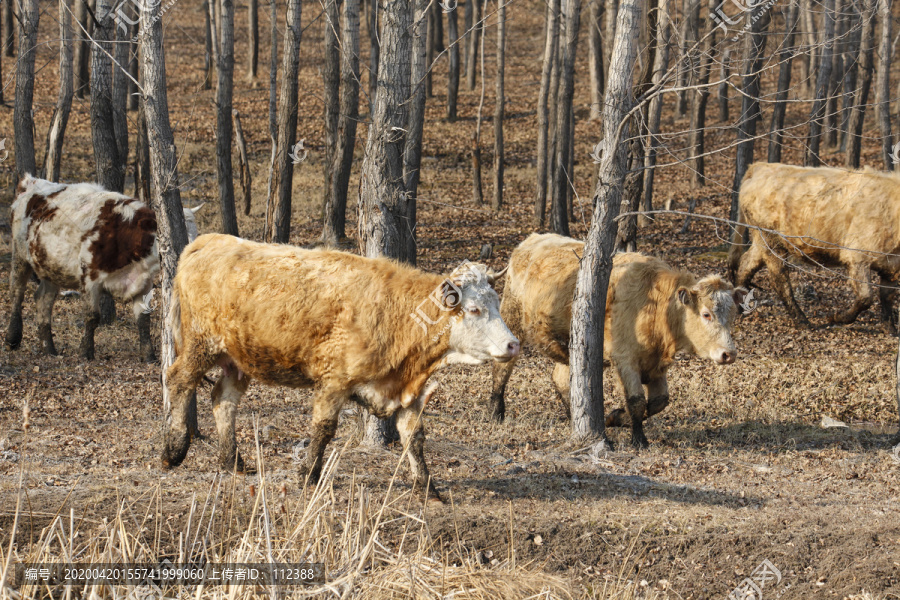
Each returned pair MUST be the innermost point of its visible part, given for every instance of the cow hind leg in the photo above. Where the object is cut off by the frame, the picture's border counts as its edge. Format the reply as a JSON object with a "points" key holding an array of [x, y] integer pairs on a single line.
{"points": [[182, 380], [91, 321], [561, 381], [501, 373], [412, 436], [18, 279], [887, 294], [327, 406], [46, 298], [781, 282], [635, 404], [142, 318], [859, 274], [225, 397]]}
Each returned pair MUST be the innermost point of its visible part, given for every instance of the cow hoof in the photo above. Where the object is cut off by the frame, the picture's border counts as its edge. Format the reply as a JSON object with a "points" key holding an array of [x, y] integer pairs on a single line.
{"points": [[309, 476], [434, 500], [150, 359], [640, 443], [497, 416], [617, 418], [175, 448]]}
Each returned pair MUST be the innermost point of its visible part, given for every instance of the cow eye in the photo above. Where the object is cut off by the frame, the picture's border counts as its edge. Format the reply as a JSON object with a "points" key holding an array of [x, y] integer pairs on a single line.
{"points": [[705, 314], [473, 310]]}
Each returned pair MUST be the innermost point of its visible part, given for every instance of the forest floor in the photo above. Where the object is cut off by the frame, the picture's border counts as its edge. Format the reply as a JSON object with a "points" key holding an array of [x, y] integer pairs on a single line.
{"points": [[740, 469]]}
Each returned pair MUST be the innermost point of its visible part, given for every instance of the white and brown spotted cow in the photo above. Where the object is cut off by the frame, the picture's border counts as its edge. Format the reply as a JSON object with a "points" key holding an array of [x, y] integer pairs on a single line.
{"points": [[367, 329], [83, 237], [652, 312]]}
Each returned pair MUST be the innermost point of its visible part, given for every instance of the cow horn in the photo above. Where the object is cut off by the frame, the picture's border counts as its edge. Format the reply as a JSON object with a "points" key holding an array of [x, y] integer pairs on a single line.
{"points": [[197, 208], [497, 275]]}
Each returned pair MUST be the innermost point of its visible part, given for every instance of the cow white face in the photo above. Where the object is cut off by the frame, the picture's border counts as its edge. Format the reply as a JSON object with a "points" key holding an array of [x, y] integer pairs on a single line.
{"points": [[477, 332], [709, 311]]}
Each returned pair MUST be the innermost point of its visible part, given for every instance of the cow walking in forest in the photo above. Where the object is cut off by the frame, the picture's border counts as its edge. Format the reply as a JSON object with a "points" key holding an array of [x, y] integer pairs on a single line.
{"points": [[367, 329], [82, 237], [822, 216], [652, 312]]}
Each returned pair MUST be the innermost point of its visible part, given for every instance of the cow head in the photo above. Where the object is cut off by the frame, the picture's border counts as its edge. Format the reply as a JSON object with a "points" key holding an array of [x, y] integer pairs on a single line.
{"points": [[710, 307], [190, 222], [477, 332]]}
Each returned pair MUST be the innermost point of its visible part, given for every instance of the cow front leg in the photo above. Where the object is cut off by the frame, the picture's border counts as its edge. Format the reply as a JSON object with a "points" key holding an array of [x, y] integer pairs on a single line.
{"points": [[46, 298], [657, 395], [501, 373], [142, 318], [781, 282], [412, 436], [18, 280], [182, 379], [327, 406], [635, 403], [561, 381], [91, 321], [859, 274], [225, 397], [751, 262], [887, 293]]}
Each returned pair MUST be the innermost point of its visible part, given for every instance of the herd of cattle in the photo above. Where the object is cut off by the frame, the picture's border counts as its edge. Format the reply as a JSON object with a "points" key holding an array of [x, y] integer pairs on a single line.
{"points": [[373, 331]]}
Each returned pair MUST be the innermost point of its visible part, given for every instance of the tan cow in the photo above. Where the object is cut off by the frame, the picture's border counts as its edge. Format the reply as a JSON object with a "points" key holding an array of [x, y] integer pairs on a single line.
{"points": [[652, 312], [825, 216], [365, 329]]}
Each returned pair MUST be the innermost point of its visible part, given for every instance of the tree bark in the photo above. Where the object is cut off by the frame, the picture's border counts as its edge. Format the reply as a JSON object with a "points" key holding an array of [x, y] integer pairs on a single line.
{"points": [[883, 83], [660, 65], [477, 191], [133, 95], [589, 305], [453, 41], [785, 59], [851, 63], [561, 176], [246, 180], [474, 39], [253, 41], [374, 51], [83, 48], [120, 82], [412, 151], [430, 25], [23, 120], [9, 36], [610, 11], [106, 151], [280, 202], [57, 132], [722, 93], [823, 80], [468, 16], [595, 62], [866, 67], [832, 112], [224, 132], [334, 229], [698, 110], [331, 95], [753, 62], [551, 43], [171, 233], [499, 106], [142, 159], [209, 64]]}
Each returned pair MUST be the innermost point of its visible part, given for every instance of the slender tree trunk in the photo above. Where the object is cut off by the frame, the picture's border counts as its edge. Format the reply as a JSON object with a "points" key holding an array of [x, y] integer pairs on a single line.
{"points": [[474, 39], [851, 62], [253, 40], [224, 131], [468, 17], [412, 151], [561, 177], [689, 26], [595, 64], [823, 80], [810, 29], [755, 45], [832, 112], [477, 191], [110, 173], [9, 36], [209, 64], [241, 143], [133, 96], [273, 116], [83, 48], [120, 83], [499, 106], [453, 77], [551, 43], [429, 45], [280, 223], [785, 58], [171, 234], [698, 112], [374, 51], [142, 159], [23, 120], [883, 83], [383, 200], [331, 94], [722, 93], [610, 11], [589, 305], [2, 21], [56, 135], [660, 65], [866, 67], [334, 229]]}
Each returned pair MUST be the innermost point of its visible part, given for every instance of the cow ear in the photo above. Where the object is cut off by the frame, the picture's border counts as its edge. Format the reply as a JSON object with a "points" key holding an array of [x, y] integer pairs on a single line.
{"points": [[686, 296]]}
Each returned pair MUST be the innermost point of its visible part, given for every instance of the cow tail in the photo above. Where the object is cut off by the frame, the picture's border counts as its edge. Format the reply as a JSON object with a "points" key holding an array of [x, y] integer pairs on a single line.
{"points": [[173, 319]]}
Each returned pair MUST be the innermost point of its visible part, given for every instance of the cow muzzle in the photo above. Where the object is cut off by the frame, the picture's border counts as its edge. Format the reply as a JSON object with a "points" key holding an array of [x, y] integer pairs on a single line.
{"points": [[512, 350], [724, 357]]}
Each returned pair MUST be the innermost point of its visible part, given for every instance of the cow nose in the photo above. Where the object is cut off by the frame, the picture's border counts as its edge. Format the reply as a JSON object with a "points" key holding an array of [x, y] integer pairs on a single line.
{"points": [[512, 349], [727, 357]]}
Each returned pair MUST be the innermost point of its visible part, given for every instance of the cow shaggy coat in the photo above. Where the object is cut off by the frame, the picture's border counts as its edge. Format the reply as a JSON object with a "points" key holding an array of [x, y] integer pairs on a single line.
{"points": [[365, 329], [82, 237], [652, 312], [828, 217]]}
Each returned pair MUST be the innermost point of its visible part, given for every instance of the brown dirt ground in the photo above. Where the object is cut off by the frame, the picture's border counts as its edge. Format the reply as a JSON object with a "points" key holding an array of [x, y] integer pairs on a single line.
{"points": [[739, 470]]}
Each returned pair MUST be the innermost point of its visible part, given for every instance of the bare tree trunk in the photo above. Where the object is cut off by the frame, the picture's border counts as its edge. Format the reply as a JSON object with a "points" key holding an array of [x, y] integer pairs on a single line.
{"points": [[809, 31], [57, 132], [280, 223], [817, 118], [883, 83], [142, 159], [851, 64], [660, 65], [334, 229], [82, 47], [589, 305], [241, 143], [23, 119], [595, 64], [273, 114], [499, 106], [551, 43], [9, 36], [477, 191], [374, 51], [561, 176], [133, 96], [208, 60], [253, 35], [610, 11], [867, 67], [832, 112], [383, 199], [224, 132], [412, 151], [468, 16], [722, 93], [453, 41], [698, 112], [106, 150], [429, 46], [690, 20], [474, 39], [171, 234], [331, 96], [120, 82], [753, 62], [2, 21], [785, 58]]}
